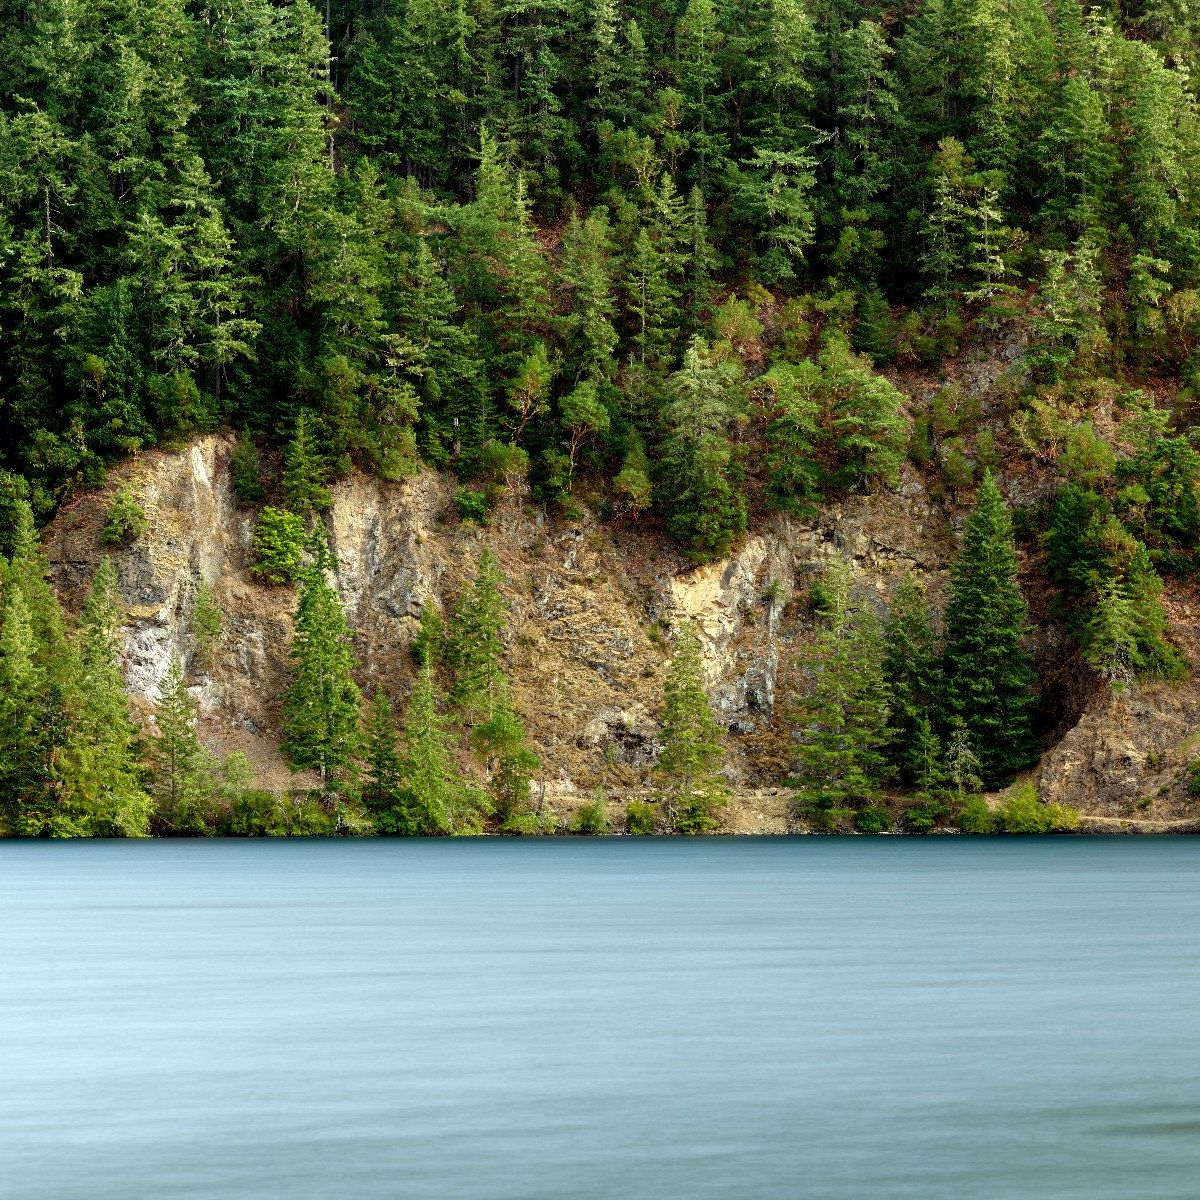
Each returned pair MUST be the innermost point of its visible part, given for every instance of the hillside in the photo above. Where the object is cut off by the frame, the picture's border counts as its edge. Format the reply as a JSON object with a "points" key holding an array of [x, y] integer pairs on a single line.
{"points": [[680, 395]]}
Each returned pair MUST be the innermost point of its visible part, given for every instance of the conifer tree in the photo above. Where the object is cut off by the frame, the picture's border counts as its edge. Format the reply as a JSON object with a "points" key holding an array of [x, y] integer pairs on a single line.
{"points": [[693, 752], [473, 647], [100, 786], [698, 476], [433, 797], [24, 767], [304, 472], [502, 743], [910, 665], [206, 622], [381, 757], [322, 705], [987, 668], [183, 779], [842, 723]]}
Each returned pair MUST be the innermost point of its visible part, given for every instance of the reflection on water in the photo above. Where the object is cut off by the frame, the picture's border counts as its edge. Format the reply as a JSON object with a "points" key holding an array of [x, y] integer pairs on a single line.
{"points": [[942, 1019]]}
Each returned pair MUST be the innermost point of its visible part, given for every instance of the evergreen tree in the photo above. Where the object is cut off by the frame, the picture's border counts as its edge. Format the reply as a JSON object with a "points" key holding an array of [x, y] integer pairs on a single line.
{"points": [[473, 647], [206, 622], [842, 722], [910, 665], [322, 705], [381, 756], [183, 779], [693, 752], [988, 670], [433, 797], [304, 473], [698, 481], [100, 789]]}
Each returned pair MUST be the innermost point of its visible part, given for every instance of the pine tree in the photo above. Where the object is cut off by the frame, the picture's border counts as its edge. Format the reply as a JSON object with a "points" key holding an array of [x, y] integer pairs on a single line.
{"points": [[322, 705], [100, 787], [183, 782], [24, 767], [381, 757], [693, 752], [206, 622], [987, 668], [433, 796], [473, 647], [842, 723], [910, 665], [698, 478], [963, 768], [502, 743], [304, 472]]}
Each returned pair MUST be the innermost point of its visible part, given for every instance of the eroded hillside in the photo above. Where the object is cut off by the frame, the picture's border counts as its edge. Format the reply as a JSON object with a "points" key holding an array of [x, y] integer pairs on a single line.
{"points": [[591, 610]]}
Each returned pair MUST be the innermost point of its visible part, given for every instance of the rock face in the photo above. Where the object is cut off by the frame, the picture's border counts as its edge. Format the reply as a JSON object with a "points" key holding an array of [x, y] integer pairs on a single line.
{"points": [[591, 609]]}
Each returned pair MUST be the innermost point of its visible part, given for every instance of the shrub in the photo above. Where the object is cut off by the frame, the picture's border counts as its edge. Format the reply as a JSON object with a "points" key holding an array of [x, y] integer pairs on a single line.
{"points": [[925, 813], [974, 816], [1023, 812], [278, 545], [873, 819], [126, 520], [260, 813], [472, 505], [590, 818], [244, 472], [641, 817], [1193, 777]]}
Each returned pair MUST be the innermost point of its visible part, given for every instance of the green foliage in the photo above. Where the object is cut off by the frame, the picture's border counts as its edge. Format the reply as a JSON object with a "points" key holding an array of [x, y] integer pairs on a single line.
{"points": [[245, 472], [183, 774], [304, 470], [974, 816], [278, 545], [641, 818], [322, 705], [126, 520], [842, 721], [693, 753], [260, 813], [100, 788], [207, 622], [472, 505], [1024, 812], [473, 646], [986, 664], [590, 818], [433, 796]]}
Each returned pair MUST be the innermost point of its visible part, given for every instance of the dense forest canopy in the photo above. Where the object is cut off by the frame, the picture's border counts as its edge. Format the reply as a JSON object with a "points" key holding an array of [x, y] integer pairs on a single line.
{"points": [[540, 236]]}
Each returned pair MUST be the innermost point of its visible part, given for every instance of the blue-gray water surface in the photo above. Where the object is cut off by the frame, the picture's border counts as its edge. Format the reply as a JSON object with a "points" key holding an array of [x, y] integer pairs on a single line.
{"points": [[942, 1019]]}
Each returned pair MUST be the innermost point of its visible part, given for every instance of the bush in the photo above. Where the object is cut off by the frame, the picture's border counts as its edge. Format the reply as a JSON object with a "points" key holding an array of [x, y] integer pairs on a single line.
{"points": [[244, 472], [590, 819], [974, 816], [1193, 777], [700, 813], [278, 545], [472, 505], [641, 818], [925, 813], [1023, 812], [873, 819], [126, 520], [260, 813]]}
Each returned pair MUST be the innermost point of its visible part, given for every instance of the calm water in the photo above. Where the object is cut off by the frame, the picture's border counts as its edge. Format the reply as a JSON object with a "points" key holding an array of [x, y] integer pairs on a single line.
{"points": [[941, 1019]]}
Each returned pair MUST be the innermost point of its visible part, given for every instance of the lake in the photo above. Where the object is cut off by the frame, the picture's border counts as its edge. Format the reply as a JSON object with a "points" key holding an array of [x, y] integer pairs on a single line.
{"points": [[816, 1018]]}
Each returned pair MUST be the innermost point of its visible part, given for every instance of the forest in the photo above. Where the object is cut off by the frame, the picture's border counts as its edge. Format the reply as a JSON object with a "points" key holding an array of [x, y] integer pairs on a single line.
{"points": [[671, 261]]}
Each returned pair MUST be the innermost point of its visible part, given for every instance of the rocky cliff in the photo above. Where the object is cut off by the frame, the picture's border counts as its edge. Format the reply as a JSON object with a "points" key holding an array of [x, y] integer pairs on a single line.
{"points": [[591, 609]]}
